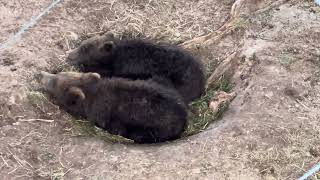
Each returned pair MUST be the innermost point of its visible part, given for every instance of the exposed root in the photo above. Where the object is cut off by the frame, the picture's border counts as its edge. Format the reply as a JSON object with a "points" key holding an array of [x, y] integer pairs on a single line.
{"points": [[220, 33], [212, 37], [228, 27], [225, 69]]}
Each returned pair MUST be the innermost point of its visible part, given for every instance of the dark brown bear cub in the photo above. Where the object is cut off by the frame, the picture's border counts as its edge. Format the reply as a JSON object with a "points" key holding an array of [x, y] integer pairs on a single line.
{"points": [[143, 111], [138, 59]]}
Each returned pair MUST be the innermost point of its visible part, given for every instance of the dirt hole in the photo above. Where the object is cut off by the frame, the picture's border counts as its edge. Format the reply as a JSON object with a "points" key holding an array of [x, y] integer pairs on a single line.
{"points": [[199, 118]]}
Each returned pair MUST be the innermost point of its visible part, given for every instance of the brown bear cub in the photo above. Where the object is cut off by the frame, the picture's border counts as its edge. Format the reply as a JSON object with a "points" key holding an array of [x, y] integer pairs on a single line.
{"points": [[143, 111], [139, 59]]}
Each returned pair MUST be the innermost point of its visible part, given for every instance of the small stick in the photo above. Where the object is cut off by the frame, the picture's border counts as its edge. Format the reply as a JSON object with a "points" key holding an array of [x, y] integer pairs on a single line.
{"points": [[13, 170], [32, 120], [4, 161]]}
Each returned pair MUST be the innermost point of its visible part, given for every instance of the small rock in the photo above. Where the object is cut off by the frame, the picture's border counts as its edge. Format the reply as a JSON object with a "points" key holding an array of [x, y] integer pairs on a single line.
{"points": [[270, 26], [13, 69], [292, 92], [196, 171], [237, 131], [315, 152], [219, 99]]}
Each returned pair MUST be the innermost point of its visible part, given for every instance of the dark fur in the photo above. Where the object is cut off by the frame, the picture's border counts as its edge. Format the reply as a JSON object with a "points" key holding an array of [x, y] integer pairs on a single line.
{"points": [[138, 59], [140, 110]]}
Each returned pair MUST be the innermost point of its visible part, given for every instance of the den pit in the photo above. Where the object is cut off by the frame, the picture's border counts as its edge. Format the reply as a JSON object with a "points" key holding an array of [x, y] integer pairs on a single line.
{"points": [[201, 112]]}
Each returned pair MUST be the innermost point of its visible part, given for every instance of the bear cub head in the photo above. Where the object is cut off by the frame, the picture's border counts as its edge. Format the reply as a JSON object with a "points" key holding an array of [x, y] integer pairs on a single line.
{"points": [[67, 88], [92, 49]]}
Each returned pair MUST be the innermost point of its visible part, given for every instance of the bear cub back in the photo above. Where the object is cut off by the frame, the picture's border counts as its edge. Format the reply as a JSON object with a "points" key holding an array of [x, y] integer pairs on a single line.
{"points": [[143, 111], [139, 59]]}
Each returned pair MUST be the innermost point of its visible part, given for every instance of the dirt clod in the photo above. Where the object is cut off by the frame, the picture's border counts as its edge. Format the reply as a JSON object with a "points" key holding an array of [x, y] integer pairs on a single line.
{"points": [[315, 151], [221, 99]]}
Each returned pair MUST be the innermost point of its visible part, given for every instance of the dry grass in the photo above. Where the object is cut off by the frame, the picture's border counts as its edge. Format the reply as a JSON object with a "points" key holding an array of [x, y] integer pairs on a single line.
{"points": [[85, 128], [168, 20], [204, 115], [298, 146]]}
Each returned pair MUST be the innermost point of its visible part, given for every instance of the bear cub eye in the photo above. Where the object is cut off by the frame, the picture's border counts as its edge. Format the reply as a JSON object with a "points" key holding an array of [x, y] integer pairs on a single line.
{"points": [[73, 102], [85, 48]]}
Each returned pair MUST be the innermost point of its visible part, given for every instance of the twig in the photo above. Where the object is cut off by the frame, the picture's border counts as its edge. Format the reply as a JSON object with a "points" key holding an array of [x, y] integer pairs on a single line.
{"points": [[4, 161], [13, 170], [20, 162], [94, 33], [32, 120], [61, 149]]}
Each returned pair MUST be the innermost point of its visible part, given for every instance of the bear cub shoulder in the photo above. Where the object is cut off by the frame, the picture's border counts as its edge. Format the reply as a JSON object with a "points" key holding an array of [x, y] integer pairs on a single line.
{"points": [[134, 59]]}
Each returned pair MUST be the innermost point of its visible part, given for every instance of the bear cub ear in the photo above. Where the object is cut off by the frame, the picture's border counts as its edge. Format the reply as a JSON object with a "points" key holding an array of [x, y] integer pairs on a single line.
{"points": [[108, 35], [95, 76], [92, 77], [107, 46], [74, 95]]}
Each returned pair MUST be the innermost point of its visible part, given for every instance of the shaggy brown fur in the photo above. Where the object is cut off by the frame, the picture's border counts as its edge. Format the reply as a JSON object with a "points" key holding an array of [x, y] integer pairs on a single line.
{"points": [[138, 59], [140, 110]]}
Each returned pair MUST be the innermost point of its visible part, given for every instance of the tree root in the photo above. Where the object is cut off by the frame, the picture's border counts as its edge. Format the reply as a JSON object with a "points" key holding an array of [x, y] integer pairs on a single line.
{"points": [[221, 32], [228, 27], [226, 69]]}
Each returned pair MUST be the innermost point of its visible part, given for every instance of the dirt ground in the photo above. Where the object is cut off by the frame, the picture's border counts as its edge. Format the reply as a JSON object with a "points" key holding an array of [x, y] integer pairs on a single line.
{"points": [[270, 130]]}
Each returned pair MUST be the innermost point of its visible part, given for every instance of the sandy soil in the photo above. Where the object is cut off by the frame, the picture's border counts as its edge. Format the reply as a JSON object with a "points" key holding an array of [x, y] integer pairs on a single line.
{"points": [[14, 14], [270, 131]]}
